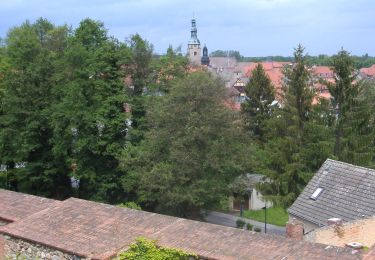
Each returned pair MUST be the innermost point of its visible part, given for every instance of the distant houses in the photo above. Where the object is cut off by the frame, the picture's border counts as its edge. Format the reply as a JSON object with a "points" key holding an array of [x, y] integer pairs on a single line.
{"points": [[236, 75]]}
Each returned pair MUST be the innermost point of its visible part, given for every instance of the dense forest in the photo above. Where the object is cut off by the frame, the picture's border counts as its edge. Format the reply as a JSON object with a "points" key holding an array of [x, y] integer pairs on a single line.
{"points": [[83, 114]]}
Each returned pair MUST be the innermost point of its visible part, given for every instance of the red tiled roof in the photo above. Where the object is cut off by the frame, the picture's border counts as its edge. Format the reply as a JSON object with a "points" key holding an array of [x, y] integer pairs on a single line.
{"points": [[272, 69], [318, 70], [369, 71], [15, 205], [100, 231]]}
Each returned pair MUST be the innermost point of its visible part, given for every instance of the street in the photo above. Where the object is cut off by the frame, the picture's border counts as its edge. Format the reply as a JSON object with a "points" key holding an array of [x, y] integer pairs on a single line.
{"points": [[229, 220]]}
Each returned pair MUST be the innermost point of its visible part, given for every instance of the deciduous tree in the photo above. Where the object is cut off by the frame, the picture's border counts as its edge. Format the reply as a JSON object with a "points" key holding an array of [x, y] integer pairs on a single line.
{"points": [[193, 150]]}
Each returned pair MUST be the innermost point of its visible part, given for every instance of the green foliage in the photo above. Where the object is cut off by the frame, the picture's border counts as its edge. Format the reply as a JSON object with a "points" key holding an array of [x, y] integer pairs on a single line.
{"points": [[31, 54], [224, 204], [231, 53], [138, 70], [168, 68], [144, 249], [249, 226], [275, 215], [130, 205], [88, 117], [286, 155], [3, 180], [257, 109], [193, 139], [346, 108], [240, 223], [62, 108]]}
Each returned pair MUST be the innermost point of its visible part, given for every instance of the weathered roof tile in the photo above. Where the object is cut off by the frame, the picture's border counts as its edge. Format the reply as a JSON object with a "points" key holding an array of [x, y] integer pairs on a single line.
{"points": [[15, 205]]}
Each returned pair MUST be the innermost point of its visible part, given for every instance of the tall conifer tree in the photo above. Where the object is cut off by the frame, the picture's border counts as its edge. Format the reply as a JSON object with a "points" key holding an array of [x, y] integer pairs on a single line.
{"points": [[257, 109], [282, 156]]}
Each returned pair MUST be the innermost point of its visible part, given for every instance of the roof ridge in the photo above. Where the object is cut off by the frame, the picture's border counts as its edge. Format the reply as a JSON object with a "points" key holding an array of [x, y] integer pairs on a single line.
{"points": [[349, 164]]}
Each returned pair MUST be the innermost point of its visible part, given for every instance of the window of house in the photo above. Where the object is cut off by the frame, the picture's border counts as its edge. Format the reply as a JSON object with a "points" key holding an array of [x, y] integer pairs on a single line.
{"points": [[195, 53], [316, 193]]}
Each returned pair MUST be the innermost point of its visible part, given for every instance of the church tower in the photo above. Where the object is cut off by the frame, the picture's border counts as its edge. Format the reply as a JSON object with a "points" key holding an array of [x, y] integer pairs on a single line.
{"points": [[194, 46]]}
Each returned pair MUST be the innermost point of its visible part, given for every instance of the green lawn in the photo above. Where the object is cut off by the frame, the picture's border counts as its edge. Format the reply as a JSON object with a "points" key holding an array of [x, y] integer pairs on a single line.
{"points": [[276, 216]]}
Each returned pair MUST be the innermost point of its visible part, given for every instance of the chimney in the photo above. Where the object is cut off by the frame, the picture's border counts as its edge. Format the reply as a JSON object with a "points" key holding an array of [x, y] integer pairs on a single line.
{"points": [[294, 229], [354, 245], [335, 221]]}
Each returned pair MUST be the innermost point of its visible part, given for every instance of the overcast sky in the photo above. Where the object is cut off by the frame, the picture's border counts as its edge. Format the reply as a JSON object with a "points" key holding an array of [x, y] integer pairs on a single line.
{"points": [[253, 27]]}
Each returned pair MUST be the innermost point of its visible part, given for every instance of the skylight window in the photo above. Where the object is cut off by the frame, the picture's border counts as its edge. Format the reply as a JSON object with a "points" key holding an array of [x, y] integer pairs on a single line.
{"points": [[316, 193]]}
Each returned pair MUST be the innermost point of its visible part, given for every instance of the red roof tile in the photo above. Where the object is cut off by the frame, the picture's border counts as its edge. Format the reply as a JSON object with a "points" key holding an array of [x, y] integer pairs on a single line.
{"points": [[100, 231], [15, 205]]}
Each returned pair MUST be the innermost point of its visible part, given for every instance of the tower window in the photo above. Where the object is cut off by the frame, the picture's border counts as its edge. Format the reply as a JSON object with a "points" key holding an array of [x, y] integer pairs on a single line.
{"points": [[195, 53]]}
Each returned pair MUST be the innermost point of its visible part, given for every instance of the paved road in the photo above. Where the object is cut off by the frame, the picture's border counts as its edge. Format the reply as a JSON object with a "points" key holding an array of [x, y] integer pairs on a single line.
{"points": [[228, 220]]}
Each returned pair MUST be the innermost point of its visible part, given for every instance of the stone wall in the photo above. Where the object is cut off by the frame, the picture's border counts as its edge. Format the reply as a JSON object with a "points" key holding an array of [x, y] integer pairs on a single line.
{"points": [[20, 249], [2, 241]]}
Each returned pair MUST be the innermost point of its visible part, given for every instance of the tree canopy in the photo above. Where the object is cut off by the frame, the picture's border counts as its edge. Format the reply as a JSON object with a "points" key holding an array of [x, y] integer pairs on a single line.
{"points": [[193, 139]]}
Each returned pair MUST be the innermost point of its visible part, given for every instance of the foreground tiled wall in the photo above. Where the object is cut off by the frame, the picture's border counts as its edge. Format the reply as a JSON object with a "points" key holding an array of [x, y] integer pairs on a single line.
{"points": [[20, 249]]}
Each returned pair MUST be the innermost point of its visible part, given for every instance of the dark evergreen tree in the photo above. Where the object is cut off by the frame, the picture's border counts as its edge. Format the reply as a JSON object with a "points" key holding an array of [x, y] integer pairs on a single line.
{"points": [[343, 92], [284, 155], [257, 109]]}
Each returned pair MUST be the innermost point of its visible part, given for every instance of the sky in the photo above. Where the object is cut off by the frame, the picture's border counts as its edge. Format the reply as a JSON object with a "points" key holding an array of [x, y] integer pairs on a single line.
{"points": [[253, 27]]}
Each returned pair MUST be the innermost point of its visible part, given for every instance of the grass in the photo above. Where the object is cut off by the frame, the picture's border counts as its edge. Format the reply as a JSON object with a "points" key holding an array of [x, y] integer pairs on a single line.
{"points": [[275, 216]]}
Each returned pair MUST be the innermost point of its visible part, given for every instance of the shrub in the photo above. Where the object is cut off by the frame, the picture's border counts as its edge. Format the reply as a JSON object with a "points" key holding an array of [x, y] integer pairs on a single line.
{"points": [[130, 205], [249, 226], [257, 229], [240, 223], [144, 249]]}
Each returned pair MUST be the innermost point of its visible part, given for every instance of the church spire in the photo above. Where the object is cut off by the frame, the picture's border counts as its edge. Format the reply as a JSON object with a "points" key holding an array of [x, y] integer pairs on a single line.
{"points": [[193, 31]]}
